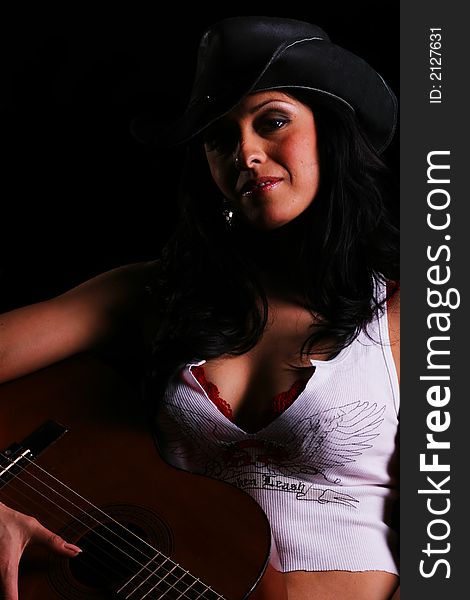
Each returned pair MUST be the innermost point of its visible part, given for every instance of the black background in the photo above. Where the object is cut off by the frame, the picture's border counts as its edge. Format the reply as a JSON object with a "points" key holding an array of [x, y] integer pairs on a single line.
{"points": [[79, 194]]}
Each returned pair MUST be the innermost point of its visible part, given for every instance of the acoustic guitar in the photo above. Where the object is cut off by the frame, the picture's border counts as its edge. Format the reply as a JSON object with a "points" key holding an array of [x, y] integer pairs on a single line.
{"points": [[77, 452]]}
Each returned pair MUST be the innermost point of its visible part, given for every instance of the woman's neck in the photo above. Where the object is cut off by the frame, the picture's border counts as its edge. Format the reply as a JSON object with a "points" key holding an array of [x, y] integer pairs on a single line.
{"points": [[277, 255]]}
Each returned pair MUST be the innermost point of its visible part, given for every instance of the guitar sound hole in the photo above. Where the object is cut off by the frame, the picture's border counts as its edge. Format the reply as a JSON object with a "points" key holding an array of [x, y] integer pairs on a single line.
{"points": [[111, 555]]}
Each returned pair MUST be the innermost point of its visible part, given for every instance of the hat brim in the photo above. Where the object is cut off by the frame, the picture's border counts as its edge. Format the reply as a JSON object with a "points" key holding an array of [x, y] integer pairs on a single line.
{"points": [[313, 64]]}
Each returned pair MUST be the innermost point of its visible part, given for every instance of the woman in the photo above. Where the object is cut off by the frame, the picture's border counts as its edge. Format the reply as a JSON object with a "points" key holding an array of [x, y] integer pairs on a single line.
{"points": [[272, 313]]}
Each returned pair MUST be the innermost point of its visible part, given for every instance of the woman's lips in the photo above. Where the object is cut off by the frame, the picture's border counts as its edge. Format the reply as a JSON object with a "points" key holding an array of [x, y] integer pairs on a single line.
{"points": [[262, 185]]}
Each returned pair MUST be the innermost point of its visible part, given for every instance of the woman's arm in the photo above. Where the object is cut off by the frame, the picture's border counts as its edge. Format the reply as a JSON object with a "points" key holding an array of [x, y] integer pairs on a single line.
{"points": [[35, 336], [38, 335]]}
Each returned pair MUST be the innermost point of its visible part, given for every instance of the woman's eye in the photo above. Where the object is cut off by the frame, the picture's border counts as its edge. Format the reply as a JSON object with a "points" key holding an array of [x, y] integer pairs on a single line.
{"points": [[274, 123], [221, 139], [219, 145]]}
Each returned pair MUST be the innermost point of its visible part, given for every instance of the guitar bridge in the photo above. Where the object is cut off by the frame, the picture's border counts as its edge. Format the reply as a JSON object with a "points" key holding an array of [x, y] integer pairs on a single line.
{"points": [[18, 455]]}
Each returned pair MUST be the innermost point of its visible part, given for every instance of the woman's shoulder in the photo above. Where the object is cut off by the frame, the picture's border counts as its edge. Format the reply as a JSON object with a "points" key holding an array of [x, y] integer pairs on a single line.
{"points": [[135, 276], [119, 300], [99, 312]]}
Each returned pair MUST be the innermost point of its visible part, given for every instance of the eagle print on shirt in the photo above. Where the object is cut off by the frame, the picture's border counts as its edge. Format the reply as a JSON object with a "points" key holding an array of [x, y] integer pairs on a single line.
{"points": [[317, 446]]}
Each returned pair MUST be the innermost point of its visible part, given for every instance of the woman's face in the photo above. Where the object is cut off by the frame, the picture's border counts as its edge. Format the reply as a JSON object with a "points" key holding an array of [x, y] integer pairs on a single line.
{"points": [[263, 157]]}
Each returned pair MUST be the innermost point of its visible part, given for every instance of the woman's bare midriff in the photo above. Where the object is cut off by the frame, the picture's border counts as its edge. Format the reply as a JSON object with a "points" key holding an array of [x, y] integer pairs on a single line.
{"points": [[340, 585]]}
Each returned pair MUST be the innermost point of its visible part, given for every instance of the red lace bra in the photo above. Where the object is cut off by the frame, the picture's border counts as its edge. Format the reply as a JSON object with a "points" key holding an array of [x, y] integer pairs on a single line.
{"points": [[280, 402]]}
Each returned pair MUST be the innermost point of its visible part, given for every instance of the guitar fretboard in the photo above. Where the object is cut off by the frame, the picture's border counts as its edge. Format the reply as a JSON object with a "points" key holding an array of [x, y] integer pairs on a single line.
{"points": [[162, 578]]}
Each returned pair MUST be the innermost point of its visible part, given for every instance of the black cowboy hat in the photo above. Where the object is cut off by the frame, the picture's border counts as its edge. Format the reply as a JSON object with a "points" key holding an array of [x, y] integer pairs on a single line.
{"points": [[242, 55]]}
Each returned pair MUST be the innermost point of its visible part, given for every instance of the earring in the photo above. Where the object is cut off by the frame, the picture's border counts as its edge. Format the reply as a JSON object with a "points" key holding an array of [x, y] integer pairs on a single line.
{"points": [[227, 213]]}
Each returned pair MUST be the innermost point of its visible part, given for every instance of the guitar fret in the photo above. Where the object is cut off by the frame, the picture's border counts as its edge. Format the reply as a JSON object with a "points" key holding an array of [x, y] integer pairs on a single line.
{"points": [[142, 572], [208, 594], [203, 593], [173, 584], [177, 585], [193, 587], [153, 576], [180, 589]]}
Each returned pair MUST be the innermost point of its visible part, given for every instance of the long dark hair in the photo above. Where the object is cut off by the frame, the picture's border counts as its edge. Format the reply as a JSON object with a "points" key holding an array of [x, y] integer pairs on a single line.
{"points": [[208, 292]]}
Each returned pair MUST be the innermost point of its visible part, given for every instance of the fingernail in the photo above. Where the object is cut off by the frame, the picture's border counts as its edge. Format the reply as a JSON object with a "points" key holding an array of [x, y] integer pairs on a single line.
{"points": [[72, 547]]}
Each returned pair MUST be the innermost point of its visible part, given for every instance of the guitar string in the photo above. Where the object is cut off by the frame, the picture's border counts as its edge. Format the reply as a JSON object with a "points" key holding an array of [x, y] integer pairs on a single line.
{"points": [[186, 573], [18, 478], [195, 581], [218, 596], [97, 559], [142, 582], [181, 595], [32, 463], [33, 501], [159, 554]]}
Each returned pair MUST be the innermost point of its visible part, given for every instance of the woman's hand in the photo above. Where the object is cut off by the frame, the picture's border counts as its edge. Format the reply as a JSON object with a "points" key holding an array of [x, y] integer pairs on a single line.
{"points": [[16, 532]]}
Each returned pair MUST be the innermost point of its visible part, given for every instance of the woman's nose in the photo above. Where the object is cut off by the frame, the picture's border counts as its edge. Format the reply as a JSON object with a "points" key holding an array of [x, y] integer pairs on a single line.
{"points": [[250, 152]]}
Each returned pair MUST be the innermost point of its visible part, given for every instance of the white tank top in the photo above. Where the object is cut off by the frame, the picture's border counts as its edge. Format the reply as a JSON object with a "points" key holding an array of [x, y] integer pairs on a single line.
{"points": [[323, 470]]}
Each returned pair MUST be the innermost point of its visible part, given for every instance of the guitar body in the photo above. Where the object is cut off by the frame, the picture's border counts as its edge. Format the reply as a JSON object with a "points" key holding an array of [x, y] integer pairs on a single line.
{"points": [[147, 530]]}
